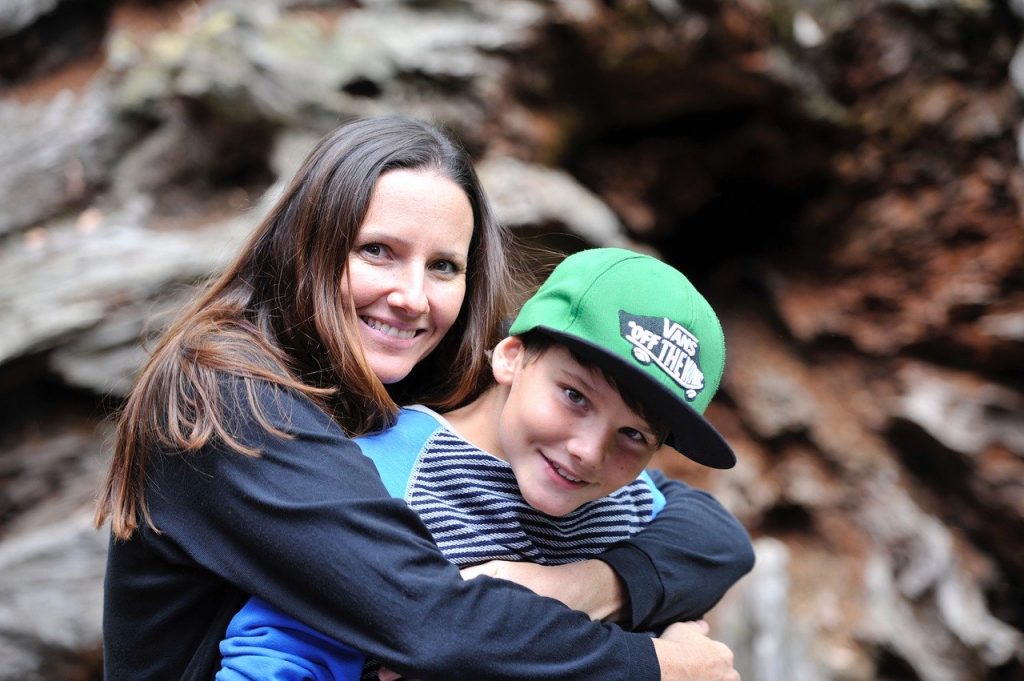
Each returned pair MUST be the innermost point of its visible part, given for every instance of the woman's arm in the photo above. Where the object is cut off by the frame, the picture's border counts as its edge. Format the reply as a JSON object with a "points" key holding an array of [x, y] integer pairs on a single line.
{"points": [[684, 651], [308, 527], [682, 564], [674, 570]]}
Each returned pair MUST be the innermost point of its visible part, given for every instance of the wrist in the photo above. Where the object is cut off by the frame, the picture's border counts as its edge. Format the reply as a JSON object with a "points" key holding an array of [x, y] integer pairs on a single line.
{"points": [[602, 594]]}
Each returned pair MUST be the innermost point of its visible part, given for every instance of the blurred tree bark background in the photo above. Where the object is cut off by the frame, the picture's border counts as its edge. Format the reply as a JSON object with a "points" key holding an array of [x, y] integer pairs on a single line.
{"points": [[843, 179]]}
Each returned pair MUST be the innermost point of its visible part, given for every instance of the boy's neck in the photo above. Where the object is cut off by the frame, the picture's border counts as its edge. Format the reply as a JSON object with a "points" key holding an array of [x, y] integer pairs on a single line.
{"points": [[477, 422]]}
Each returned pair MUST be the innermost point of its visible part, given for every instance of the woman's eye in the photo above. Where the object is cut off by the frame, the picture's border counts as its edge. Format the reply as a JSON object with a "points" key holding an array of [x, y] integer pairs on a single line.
{"points": [[446, 267], [372, 250]]}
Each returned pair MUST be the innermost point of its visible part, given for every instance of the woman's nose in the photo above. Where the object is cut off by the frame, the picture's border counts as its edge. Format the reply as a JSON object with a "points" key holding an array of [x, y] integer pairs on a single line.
{"points": [[409, 294]]}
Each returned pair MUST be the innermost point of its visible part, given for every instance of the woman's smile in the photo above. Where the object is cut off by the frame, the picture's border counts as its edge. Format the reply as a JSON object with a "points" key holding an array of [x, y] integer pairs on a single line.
{"points": [[390, 330]]}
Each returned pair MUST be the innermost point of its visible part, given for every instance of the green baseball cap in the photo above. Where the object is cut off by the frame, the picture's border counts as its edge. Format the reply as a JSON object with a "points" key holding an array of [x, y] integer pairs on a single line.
{"points": [[645, 324]]}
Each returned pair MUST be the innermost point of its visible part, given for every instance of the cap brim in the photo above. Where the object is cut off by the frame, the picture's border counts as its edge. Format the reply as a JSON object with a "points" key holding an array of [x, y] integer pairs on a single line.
{"points": [[689, 432]]}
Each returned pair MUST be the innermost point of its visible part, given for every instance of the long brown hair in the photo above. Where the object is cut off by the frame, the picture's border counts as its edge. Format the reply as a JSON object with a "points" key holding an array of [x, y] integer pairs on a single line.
{"points": [[277, 315]]}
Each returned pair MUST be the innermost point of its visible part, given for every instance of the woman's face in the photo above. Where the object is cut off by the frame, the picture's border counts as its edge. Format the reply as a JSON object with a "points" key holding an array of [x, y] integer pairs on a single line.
{"points": [[407, 271]]}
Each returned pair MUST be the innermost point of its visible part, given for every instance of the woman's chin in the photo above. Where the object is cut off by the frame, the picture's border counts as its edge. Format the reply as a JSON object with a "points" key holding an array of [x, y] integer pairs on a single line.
{"points": [[391, 370], [390, 378]]}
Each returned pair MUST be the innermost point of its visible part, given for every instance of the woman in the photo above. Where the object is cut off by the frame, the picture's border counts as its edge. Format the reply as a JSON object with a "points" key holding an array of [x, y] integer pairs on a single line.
{"points": [[377, 277]]}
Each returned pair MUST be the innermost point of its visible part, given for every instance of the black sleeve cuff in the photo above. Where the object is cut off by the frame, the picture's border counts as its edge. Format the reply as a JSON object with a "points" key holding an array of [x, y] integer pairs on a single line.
{"points": [[643, 589]]}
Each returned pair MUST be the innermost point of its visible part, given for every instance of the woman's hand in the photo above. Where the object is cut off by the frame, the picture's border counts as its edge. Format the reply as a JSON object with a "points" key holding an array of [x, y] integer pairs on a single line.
{"points": [[385, 674], [590, 586], [686, 653]]}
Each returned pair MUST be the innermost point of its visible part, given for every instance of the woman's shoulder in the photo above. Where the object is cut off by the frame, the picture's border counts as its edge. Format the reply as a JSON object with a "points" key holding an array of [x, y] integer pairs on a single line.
{"points": [[265, 427], [255, 404]]}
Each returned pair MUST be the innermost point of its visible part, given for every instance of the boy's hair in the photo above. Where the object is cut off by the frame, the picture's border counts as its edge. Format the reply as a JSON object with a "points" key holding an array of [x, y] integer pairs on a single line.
{"points": [[536, 343]]}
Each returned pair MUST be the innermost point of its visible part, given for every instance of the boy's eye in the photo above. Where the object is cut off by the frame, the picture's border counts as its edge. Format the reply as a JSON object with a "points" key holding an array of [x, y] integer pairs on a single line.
{"points": [[575, 396], [635, 435]]}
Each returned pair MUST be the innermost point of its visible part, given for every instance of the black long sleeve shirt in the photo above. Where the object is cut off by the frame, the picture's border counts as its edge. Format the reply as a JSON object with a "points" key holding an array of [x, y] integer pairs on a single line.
{"points": [[309, 527]]}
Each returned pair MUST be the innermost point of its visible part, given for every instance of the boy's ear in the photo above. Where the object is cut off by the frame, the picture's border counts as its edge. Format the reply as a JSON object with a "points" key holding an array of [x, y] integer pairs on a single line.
{"points": [[506, 359]]}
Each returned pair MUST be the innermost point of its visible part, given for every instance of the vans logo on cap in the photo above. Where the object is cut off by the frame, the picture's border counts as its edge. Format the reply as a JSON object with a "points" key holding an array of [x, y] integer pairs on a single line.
{"points": [[668, 344]]}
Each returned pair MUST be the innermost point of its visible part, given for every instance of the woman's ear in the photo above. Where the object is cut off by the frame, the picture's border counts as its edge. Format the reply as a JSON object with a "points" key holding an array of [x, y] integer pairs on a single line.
{"points": [[506, 359]]}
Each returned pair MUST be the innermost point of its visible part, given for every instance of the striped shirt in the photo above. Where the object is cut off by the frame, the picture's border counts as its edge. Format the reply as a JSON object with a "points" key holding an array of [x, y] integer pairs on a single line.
{"points": [[470, 502]]}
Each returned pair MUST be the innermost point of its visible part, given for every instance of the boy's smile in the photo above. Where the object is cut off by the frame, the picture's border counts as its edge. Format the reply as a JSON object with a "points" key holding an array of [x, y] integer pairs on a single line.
{"points": [[566, 432], [564, 474]]}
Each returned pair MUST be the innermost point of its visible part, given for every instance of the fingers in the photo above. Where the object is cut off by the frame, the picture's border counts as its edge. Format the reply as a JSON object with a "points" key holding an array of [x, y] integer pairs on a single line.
{"points": [[686, 653], [693, 626], [385, 674]]}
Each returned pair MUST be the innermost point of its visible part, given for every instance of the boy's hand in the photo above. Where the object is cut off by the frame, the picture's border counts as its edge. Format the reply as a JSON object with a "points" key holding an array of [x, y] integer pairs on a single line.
{"points": [[687, 653], [590, 586]]}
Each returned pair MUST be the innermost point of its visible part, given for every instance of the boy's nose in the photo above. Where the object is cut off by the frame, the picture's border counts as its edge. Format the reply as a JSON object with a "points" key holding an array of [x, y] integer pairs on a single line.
{"points": [[588, 447]]}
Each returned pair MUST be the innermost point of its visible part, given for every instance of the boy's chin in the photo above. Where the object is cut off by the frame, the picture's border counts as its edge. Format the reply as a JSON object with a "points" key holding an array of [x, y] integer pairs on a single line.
{"points": [[554, 506]]}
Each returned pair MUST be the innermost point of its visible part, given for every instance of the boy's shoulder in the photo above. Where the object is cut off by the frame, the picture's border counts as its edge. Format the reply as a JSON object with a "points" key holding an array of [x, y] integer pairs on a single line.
{"points": [[396, 450], [413, 423]]}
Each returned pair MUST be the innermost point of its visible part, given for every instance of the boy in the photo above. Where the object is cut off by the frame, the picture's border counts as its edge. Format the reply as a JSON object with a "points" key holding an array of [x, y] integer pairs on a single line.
{"points": [[613, 356]]}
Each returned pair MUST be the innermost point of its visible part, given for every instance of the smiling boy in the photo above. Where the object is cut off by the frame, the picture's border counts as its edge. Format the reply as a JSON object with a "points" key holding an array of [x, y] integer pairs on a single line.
{"points": [[615, 355]]}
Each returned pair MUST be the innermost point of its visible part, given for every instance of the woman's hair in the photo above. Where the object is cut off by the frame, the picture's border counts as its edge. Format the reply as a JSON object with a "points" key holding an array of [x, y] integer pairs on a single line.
{"points": [[277, 315]]}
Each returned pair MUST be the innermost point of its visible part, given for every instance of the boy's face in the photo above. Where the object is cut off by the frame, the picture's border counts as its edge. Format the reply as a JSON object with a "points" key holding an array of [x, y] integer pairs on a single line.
{"points": [[566, 432]]}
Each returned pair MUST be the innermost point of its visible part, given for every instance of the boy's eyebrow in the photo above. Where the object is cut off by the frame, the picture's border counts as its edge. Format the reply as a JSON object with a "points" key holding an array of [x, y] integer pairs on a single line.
{"points": [[588, 385], [578, 377]]}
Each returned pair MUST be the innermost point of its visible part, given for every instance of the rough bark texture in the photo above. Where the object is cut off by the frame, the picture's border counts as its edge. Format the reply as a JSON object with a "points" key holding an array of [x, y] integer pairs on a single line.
{"points": [[843, 180]]}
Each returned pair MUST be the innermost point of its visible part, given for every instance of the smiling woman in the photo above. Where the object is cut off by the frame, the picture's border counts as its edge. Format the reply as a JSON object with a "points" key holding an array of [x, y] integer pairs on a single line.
{"points": [[379, 270], [406, 275]]}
